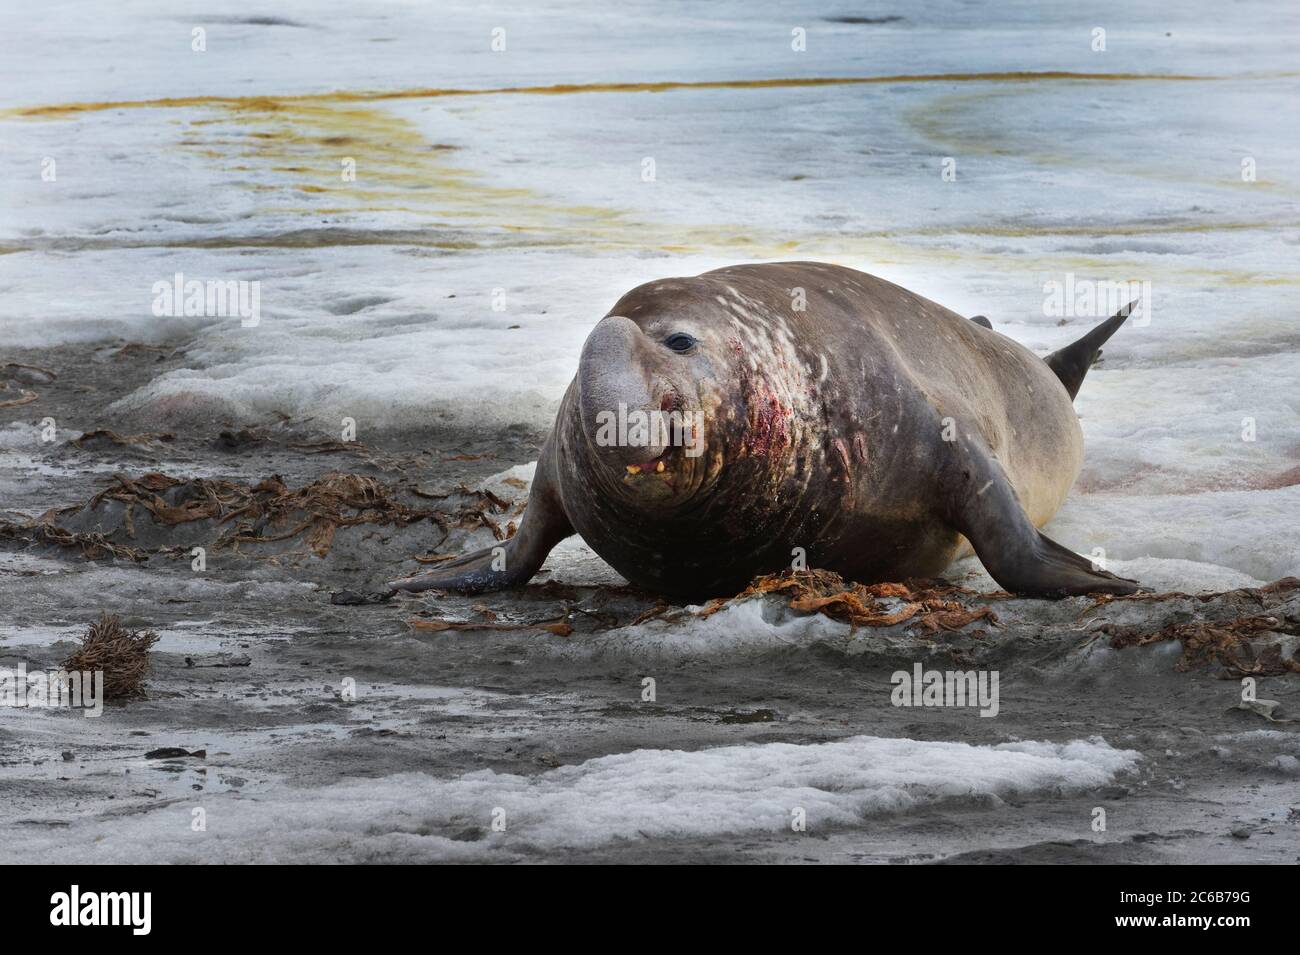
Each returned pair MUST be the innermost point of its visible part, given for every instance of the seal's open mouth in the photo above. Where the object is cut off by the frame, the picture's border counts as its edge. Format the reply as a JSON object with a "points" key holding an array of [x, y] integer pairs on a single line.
{"points": [[656, 465], [670, 404]]}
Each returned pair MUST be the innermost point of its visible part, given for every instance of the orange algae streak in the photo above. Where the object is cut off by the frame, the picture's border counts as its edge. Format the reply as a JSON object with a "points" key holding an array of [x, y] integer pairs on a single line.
{"points": [[264, 102]]}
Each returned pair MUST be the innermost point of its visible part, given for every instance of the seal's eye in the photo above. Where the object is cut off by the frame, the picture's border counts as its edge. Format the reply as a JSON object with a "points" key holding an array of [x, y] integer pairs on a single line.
{"points": [[680, 342]]}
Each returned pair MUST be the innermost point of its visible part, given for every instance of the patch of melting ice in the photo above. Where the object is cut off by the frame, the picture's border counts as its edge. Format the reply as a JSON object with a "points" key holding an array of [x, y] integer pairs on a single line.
{"points": [[645, 794], [748, 628], [14, 636]]}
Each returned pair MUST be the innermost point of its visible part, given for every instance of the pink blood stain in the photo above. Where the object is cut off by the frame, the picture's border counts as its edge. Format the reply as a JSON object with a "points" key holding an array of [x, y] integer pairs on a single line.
{"points": [[768, 420]]}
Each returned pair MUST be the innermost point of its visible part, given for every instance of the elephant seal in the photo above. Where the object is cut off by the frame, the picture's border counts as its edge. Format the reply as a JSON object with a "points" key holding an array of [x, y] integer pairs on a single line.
{"points": [[823, 409]]}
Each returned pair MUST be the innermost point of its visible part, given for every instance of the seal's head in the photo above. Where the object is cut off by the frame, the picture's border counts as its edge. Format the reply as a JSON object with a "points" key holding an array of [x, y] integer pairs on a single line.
{"points": [[643, 391]]}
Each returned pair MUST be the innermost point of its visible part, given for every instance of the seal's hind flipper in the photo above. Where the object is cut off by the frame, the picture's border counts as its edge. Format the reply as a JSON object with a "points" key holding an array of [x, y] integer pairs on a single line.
{"points": [[1072, 362], [981, 320], [984, 508]]}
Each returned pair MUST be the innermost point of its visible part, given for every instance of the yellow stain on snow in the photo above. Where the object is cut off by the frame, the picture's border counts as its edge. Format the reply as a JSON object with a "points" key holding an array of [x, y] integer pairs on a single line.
{"points": [[324, 159], [288, 152], [955, 126], [563, 89]]}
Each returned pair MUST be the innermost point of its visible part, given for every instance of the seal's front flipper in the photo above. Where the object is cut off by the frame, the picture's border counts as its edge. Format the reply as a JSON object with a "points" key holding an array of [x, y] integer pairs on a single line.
{"points": [[511, 562], [984, 508], [1043, 568], [488, 569]]}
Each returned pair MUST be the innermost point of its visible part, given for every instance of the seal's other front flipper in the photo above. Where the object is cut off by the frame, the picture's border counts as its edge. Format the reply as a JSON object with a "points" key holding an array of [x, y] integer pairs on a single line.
{"points": [[507, 564], [488, 569], [1014, 552], [512, 562]]}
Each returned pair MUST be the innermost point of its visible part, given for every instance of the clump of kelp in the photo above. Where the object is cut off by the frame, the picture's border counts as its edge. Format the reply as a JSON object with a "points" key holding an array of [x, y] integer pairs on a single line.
{"points": [[122, 655], [14, 376], [264, 512], [930, 604], [92, 545], [1232, 644], [1247, 644]]}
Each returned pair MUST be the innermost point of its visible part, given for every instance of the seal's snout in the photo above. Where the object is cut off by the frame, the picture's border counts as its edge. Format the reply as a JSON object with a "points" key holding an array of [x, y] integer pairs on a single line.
{"points": [[613, 371], [630, 401]]}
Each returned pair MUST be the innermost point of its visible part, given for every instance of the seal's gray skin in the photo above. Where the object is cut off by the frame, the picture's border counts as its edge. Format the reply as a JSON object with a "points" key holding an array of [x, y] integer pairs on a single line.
{"points": [[872, 428]]}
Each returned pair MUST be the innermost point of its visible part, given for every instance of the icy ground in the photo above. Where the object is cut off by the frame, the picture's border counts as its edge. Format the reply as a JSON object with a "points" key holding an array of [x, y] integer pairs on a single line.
{"points": [[377, 305]]}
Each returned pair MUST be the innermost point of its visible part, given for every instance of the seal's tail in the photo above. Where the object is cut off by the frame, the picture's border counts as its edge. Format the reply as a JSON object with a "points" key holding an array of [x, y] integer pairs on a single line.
{"points": [[1072, 362]]}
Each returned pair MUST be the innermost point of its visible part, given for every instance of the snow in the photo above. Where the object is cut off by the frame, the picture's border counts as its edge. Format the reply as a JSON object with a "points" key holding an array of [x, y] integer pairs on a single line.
{"points": [[745, 630], [645, 794]]}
